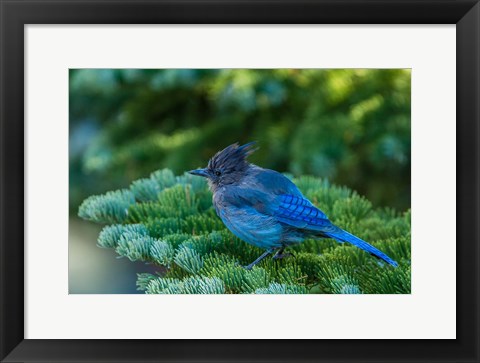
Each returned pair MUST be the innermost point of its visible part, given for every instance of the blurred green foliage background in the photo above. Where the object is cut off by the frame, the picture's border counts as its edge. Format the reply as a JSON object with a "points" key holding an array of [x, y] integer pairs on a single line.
{"points": [[351, 126]]}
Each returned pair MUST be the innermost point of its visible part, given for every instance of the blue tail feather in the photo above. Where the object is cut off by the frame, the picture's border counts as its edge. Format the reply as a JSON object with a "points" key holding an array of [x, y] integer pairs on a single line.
{"points": [[344, 236]]}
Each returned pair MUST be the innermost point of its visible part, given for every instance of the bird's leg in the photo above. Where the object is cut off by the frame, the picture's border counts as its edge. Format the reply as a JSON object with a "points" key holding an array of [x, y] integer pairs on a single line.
{"points": [[279, 255], [265, 254]]}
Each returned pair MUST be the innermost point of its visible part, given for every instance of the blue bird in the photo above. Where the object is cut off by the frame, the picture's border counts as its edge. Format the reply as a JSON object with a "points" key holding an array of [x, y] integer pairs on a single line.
{"points": [[266, 209]]}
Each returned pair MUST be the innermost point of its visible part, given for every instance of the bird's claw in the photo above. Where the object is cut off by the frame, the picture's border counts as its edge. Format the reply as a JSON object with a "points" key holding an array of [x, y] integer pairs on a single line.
{"points": [[279, 256], [248, 267]]}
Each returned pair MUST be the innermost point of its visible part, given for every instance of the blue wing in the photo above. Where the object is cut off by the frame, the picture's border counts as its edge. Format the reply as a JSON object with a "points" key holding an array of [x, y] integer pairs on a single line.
{"points": [[299, 212]]}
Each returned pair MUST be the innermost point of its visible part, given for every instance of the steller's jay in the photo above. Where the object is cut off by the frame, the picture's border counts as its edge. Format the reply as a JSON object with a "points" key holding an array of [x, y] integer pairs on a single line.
{"points": [[265, 209]]}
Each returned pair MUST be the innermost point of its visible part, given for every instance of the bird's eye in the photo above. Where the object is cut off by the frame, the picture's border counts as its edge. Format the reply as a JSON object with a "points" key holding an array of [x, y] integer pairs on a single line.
{"points": [[218, 173]]}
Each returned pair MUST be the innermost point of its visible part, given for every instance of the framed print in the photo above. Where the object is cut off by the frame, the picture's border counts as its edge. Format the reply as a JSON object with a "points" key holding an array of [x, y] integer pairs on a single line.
{"points": [[273, 181]]}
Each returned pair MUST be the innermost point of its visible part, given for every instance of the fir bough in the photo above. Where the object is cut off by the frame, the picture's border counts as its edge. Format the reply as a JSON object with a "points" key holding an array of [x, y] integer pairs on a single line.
{"points": [[169, 221]]}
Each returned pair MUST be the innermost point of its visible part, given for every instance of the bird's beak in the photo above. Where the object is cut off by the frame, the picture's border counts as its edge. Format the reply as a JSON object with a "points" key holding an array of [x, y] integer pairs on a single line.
{"points": [[200, 172]]}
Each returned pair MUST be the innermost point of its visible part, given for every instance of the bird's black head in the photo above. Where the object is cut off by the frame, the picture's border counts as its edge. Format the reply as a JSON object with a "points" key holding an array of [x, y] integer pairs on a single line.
{"points": [[227, 166]]}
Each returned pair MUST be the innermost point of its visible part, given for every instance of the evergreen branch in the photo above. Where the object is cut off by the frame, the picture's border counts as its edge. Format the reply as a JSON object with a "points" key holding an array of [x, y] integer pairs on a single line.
{"points": [[169, 221], [276, 288], [111, 207]]}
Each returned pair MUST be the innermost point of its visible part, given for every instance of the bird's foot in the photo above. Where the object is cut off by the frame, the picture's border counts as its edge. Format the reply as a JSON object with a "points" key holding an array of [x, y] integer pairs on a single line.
{"points": [[279, 256], [248, 267]]}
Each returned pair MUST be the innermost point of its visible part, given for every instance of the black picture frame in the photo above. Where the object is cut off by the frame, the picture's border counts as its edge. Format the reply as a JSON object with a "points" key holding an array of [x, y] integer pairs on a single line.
{"points": [[15, 14]]}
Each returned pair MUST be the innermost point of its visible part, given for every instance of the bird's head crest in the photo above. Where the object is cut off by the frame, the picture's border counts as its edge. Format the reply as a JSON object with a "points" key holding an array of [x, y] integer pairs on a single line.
{"points": [[227, 166], [232, 158]]}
